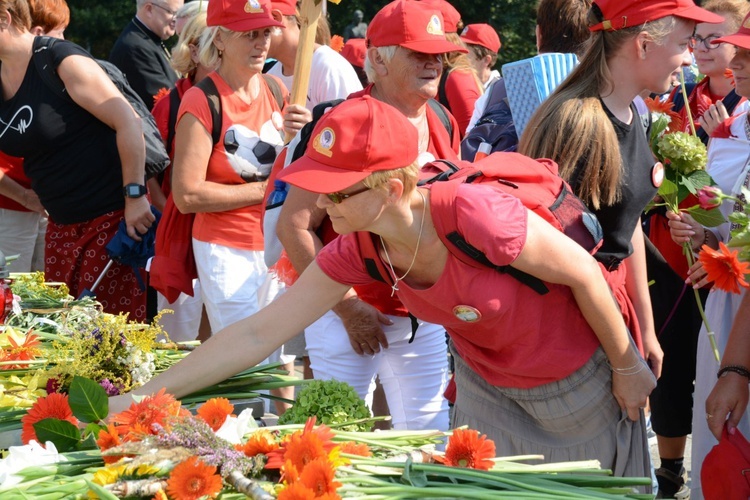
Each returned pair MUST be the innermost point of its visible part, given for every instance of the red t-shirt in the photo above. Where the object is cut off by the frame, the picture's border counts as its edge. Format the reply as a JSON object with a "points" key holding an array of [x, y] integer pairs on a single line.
{"points": [[442, 146], [244, 127], [520, 339], [462, 92], [13, 168]]}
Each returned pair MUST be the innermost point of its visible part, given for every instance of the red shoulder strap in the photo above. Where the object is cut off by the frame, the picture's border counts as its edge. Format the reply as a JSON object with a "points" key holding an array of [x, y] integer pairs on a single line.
{"points": [[369, 252]]}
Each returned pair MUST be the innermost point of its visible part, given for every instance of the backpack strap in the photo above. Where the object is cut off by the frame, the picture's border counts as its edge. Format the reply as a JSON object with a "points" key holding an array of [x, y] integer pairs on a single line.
{"points": [[208, 87], [731, 100], [174, 107], [306, 132], [443, 114], [442, 95], [45, 66], [275, 87], [678, 102]]}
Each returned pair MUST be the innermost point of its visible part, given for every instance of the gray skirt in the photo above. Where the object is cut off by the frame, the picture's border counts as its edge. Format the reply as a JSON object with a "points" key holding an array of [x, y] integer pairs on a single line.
{"points": [[576, 418]]}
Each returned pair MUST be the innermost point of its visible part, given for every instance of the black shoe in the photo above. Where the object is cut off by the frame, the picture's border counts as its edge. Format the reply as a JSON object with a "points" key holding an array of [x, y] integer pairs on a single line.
{"points": [[672, 485]]}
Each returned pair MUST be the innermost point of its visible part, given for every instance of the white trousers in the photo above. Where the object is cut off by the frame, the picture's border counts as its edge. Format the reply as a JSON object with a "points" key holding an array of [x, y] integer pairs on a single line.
{"points": [[414, 376], [22, 234], [182, 325]]}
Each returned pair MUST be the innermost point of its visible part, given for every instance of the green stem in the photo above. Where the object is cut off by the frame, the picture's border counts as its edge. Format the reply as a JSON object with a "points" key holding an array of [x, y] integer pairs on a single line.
{"points": [[688, 251], [687, 106]]}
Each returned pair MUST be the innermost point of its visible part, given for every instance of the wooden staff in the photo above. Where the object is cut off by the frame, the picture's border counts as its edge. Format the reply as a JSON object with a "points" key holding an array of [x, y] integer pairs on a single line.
{"points": [[310, 12]]}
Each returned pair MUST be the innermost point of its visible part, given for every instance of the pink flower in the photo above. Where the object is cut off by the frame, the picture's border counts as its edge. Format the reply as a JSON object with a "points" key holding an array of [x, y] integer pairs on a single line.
{"points": [[709, 197]]}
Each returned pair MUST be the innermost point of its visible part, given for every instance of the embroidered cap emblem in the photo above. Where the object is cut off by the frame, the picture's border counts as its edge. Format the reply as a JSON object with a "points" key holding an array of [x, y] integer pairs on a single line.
{"points": [[323, 142], [467, 313], [435, 27], [253, 7]]}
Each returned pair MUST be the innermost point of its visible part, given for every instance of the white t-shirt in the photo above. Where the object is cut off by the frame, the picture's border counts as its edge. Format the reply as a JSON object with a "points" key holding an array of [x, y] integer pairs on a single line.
{"points": [[331, 77]]}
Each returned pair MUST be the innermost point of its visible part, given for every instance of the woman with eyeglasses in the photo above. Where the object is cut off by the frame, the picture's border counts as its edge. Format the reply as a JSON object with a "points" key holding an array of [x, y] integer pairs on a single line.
{"points": [[676, 315], [554, 374], [223, 182]]}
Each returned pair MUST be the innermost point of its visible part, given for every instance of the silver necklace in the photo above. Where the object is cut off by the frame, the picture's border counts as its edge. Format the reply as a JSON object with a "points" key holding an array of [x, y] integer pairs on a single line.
{"points": [[394, 287]]}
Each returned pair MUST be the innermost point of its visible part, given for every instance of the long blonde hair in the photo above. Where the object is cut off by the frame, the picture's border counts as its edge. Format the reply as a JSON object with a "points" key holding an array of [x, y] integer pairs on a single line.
{"points": [[458, 61], [571, 126]]}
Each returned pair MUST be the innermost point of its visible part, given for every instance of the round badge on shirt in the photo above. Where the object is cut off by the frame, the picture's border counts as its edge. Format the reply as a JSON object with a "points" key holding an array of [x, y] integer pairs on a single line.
{"points": [[657, 174], [467, 313]]}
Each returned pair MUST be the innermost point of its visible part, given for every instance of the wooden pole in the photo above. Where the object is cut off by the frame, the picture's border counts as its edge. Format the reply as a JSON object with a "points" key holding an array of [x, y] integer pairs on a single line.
{"points": [[310, 12]]}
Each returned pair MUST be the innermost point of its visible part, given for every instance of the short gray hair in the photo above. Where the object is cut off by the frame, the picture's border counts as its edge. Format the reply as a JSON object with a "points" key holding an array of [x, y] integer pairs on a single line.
{"points": [[191, 8], [386, 53]]}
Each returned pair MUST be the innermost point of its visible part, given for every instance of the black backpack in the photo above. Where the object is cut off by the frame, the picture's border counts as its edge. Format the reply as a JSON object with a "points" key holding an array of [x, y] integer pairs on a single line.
{"points": [[494, 127], [157, 158]]}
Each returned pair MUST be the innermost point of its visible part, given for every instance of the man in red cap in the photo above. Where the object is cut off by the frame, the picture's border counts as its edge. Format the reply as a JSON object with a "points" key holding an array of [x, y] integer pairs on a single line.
{"points": [[484, 44], [406, 40]]}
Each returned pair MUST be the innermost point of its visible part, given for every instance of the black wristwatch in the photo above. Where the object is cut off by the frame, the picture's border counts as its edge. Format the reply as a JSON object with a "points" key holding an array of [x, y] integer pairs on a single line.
{"points": [[133, 190]]}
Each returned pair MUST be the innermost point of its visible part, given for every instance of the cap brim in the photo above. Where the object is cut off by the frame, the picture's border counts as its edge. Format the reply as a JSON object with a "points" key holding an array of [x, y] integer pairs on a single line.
{"points": [[433, 47], [699, 15], [245, 25], [738, 39], [311, 175]]}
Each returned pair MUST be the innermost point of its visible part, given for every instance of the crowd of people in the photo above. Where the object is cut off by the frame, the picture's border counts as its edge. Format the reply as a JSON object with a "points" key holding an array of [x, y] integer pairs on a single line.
{"points": [[574, 373]]}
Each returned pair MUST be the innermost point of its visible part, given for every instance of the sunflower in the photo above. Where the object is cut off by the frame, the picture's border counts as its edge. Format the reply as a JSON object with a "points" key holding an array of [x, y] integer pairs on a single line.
{"points": [[724, 268], [53, 406], [192, 479], [109, 438], [215, 412], [261, 442], [151, 410], [467, 449], [318, 476], [354, 448]]}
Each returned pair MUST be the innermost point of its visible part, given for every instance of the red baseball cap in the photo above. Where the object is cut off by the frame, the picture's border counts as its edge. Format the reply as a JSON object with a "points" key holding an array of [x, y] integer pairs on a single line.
{"points": [[286, 7], [482, 34], [620, 14], [411, 25], [240, 15], [723, 472], [354, 51], [450, 15], [356, 138], [741, 38]]}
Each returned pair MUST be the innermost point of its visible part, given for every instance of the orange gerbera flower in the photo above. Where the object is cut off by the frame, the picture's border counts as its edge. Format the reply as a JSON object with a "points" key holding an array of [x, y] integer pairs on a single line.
{"points": [[337, 43], [260, 442], [109, 438], [151, 410], [296, 491], [303, 446], [467, 449], [53, 406], [160, 94], [160, 495], [318, 476], [25, 351], [193, 479], [724, 268], [657, 106], [215, 412], [353, 448]]}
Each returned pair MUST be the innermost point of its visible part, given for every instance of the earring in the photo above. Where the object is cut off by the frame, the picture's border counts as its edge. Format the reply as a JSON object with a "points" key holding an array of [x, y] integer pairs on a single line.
{"points": [[221, 53]]}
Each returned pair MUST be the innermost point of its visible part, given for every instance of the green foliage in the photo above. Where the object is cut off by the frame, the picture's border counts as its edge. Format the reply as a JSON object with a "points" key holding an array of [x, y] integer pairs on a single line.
{"points": [[96, 24], [332, 402], [62, 433], [88, 400]]}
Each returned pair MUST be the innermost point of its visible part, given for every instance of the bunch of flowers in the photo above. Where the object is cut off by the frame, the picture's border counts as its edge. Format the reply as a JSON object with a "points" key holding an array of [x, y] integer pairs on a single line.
{"points": [[332, 402]]}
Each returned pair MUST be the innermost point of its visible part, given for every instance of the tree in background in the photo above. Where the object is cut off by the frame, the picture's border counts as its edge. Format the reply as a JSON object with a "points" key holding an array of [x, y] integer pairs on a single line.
{"points": [[96, 24]]}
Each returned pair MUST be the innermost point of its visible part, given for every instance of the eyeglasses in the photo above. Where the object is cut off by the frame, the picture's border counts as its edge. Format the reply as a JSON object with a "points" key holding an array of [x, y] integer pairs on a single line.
{"points": [[172, 13], [339, 197], [696, 40]]}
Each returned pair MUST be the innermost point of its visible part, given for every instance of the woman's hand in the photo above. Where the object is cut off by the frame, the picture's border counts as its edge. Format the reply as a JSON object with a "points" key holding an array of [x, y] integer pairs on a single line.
{"points": [[713, 116], [729, 398], [632, 391], [362, 322], [31, 201], [697, 276], [295, 117], [684, 229]]}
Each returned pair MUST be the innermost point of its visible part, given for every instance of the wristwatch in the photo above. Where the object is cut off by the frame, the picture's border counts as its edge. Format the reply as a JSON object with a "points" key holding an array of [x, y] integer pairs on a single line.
{"points": [[133, 190]]}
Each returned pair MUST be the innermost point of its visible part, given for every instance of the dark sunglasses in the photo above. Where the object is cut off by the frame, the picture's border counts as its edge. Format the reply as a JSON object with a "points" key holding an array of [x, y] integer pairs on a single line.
{"points": [[339, 197]]}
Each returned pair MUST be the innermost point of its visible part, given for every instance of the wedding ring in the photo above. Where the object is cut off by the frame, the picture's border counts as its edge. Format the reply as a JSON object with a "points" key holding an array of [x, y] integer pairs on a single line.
{"points": [[708, 416], [363, 343]]}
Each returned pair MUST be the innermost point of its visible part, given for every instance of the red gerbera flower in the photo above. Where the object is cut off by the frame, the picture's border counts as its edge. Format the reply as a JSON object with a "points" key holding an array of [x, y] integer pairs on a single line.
{"points": [[161, 93], [657, 106], [215, 412], [353, 448], [296, 491], [193, 479], [53, 406], [303, 446], [467, 449], [151, 410], [724, 268]]}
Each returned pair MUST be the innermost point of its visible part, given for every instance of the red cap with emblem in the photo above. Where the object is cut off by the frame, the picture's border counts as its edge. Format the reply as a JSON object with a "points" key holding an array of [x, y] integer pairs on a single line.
{"points": [[621, 14]]}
